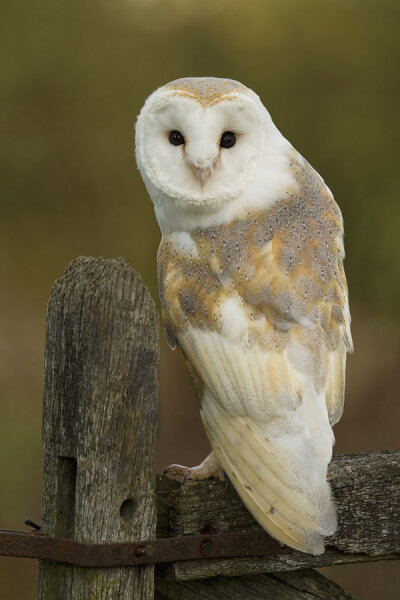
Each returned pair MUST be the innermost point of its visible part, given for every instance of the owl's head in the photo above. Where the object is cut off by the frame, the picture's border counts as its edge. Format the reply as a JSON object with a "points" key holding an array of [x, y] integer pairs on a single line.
{"points": [[199, 142]]}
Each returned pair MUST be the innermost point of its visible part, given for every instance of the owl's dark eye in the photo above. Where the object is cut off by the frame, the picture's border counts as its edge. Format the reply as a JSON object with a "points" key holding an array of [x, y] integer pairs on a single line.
{"points": [[228, 139], [176, 138]]}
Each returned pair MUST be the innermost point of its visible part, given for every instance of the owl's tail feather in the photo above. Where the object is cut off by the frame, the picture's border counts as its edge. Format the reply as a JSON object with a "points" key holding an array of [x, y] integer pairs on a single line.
{"points": [[296, 510]]}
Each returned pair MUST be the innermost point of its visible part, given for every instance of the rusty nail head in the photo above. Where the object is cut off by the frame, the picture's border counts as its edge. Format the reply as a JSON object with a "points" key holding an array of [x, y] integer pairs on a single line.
{"points": [[206, 547], [145, 551], [149, 550]]}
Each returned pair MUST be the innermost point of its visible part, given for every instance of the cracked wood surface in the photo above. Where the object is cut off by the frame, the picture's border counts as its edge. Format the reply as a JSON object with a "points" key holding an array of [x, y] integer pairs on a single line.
{"points": [[298, 585], [366, 487]]}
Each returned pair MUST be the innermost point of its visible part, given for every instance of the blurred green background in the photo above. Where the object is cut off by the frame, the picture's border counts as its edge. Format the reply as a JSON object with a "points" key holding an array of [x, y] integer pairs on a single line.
{"points": [[74, 76]]}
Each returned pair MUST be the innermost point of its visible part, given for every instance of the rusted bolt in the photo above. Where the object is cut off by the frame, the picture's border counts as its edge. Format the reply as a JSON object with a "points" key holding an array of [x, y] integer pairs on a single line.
{"points": [[31, 523], [206, 547], [144, 551], [149, 550]]}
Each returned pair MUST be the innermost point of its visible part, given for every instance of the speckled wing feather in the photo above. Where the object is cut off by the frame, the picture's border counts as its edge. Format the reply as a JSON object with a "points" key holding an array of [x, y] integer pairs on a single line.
{"points": [[259, 307]]}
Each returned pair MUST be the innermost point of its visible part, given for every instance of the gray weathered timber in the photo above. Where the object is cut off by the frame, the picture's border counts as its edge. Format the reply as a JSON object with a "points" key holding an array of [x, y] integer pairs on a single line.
{"points": [[99, 425], [298, 585], [366, 487]]}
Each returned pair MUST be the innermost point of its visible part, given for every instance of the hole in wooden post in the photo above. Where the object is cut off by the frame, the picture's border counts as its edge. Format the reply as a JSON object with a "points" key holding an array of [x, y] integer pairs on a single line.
{"points": [[66, 486], [127, 509]]}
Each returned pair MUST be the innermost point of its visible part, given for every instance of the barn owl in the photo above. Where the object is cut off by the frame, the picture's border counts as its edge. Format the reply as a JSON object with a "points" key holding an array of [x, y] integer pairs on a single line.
{"points": [[253, 291]]}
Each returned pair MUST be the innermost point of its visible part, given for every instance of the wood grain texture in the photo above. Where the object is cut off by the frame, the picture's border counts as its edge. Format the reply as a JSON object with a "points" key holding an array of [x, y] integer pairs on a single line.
{"points": [[299, 585], [99, 425], [366, 487]]}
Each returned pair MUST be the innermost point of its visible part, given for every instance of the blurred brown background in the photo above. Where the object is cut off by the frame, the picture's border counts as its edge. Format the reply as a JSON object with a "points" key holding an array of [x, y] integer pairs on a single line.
{"points": [[73, 78]]}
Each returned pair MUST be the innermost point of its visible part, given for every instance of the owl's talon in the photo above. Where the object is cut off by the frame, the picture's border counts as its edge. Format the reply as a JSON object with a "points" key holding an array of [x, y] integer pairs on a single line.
{"points": [[208, 469], [186, 477], [176, 471]]}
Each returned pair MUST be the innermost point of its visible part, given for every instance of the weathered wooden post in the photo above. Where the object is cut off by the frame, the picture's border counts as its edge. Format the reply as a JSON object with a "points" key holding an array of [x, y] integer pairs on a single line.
{"points": [[99, 425]]}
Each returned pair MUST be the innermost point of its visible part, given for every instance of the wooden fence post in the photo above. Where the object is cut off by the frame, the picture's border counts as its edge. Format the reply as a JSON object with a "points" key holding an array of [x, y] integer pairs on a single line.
{"points": [[99, 425]]}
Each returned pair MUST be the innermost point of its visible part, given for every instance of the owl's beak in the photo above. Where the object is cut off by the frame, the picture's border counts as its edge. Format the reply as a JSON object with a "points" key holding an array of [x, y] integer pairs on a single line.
{"points": [[202, 174], [203, 168], [202, 162]]}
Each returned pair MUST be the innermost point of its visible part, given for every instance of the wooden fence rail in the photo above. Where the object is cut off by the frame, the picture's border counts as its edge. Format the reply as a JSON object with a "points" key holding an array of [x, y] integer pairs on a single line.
{"points": [[367, 490], [99, 431]]}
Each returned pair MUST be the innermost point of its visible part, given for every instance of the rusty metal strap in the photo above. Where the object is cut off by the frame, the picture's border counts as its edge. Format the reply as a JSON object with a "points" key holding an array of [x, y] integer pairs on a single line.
{"points": [[188, 547]]}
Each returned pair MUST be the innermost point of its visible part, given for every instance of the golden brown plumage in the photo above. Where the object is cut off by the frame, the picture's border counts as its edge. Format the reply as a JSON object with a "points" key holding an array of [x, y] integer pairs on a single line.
{"points": [[284, 266]]}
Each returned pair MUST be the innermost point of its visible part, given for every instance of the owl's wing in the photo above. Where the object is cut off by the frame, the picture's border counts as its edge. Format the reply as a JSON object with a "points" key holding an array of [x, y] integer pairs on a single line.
{"points": [[264, 405], [267, 352]]}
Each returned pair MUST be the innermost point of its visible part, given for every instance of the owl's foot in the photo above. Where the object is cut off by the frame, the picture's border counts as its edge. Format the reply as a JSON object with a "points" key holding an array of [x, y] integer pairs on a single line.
{"points": [[209, 468]]}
